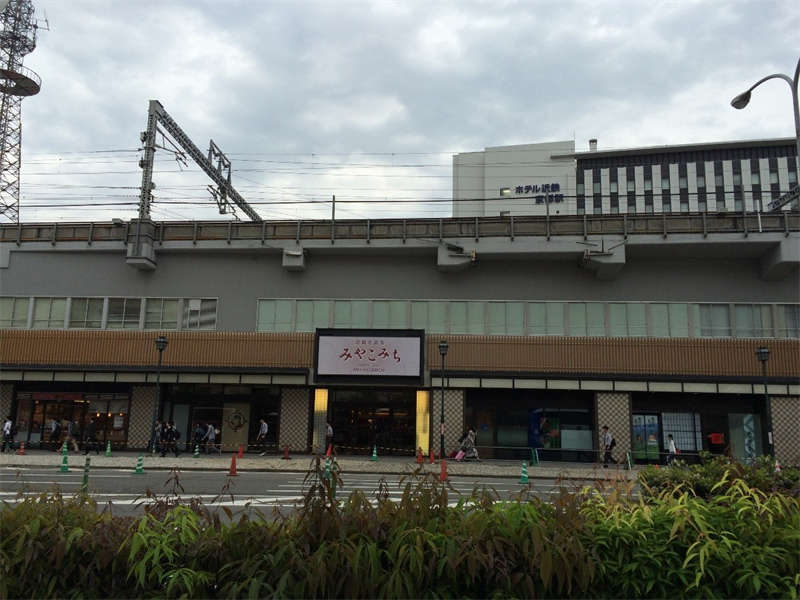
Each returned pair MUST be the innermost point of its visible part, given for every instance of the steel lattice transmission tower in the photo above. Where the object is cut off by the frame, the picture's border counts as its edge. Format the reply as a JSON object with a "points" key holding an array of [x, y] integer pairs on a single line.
{"points": [[18, 38]]}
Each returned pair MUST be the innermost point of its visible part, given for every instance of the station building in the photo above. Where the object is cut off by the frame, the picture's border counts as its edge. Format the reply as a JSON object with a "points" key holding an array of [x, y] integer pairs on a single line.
{"points": [[534, 179], [647, 323]]}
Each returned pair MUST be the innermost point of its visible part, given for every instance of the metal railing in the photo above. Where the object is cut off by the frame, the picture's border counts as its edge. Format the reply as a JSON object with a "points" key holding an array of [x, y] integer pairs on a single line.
{"points": [[433, 230]]}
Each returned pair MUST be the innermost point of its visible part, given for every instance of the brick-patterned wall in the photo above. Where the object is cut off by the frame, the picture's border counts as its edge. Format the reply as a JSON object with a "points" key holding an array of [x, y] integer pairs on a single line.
{"points": [[141, 417], [294, 419], [614, 410], [786, 429], [453, 418], [6, 397]]}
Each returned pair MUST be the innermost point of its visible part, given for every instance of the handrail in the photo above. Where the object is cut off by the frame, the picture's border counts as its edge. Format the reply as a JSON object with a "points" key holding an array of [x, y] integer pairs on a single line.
{"points": [[623, 225]]}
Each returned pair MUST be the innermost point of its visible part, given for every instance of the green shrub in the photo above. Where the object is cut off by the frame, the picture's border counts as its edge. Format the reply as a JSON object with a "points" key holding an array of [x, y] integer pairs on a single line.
{"points": [[702, 478], [741, 542]]}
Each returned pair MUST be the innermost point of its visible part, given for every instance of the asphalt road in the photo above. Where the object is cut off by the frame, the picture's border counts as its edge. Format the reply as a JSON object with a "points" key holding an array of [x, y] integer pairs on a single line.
{"points": [[261, 490]]}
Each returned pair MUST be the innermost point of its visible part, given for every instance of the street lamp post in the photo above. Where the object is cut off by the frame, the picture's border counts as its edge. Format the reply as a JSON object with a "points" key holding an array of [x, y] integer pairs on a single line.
{"points": [[161, 344], [443, 347], [763, 355], [742, 99]]}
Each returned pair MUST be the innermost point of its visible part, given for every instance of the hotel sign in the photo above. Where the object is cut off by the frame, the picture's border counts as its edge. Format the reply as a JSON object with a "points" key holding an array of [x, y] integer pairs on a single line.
{"points": [[355, 354]]}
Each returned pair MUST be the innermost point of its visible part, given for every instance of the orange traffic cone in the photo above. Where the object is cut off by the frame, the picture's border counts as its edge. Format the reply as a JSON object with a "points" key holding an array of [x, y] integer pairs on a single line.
{"points": [[21, 450], [419, 455], [443, 476], [432, 460], [233, 472], [286, 452], [328, 453], [241, 451]]}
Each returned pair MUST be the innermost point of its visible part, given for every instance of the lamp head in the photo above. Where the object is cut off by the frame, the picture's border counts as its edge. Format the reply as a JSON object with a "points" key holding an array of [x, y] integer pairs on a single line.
{"points": [[741, 100], [443, 347], [763, 354], [161, 343]]}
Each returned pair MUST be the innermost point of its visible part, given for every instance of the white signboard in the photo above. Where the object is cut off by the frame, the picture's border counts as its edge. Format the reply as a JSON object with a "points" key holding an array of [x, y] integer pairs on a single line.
{"points": [[369, 355]]}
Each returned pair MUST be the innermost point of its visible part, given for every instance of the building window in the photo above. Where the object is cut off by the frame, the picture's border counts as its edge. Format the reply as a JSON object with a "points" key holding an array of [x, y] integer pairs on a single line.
{"points": [[669, 320], [48, 313], [505, 318], [389, 314], [773, 177], [199, 313], [701, 181], [755, 179], [793, 176], [14, 312], [86, 313], [718, 182], [123, 313], [613, 187], [737, 179], [715, 320], [682, 182], [665, 183], [596, 187], [545, 318], [752, 321], [627, 319], [648, 185], [587, 319], [579, 189], [275, 315], [631, 185], [161, 313], [791, 321]]}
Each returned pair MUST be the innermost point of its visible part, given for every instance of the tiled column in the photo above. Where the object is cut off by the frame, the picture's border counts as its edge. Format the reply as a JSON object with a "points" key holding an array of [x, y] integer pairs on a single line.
{"points": [[6, 397], [453, 418], [141, 417], [785, 428], [614, 409], [294, 419]]}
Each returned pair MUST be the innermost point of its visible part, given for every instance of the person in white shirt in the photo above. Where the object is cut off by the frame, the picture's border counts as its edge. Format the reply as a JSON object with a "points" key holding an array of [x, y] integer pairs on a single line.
{"points": [[211, 436], [8, 437], [328, 436], [607, 444], [671, 449], [262, 436]]}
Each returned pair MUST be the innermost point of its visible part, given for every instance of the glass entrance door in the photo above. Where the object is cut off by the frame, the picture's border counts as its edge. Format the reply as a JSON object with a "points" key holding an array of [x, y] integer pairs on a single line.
{"points": [[362, 419]]}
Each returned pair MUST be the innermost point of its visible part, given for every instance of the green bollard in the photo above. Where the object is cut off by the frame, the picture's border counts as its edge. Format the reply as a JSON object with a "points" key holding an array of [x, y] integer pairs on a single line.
{"points": [[523, 478], [630, 463], [64, 459], [196, 451], [108, 448], [374, 453], [85, 484], [139, 465]]}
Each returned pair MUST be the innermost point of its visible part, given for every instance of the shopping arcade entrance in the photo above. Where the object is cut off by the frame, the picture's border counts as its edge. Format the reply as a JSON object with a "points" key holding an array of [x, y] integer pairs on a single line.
{"points": [[364, 418]]}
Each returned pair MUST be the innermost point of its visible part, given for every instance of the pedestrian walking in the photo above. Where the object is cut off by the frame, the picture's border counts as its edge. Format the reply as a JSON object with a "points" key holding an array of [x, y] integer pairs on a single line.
{"points": [[328, 436], [169, 439], [90, 437], [55, 434], [262, 436], [672, 451], [211, 437], [199, 434], [8, 434], [607, 443], [73, 433], [157, 433]]}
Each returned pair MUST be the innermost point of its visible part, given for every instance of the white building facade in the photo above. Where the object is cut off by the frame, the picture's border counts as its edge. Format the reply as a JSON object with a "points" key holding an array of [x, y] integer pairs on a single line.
{"points": [[537, 179]]}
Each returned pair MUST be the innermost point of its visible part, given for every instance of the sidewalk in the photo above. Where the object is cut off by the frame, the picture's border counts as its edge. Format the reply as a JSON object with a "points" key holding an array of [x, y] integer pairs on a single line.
{"points": [[301, 463]]}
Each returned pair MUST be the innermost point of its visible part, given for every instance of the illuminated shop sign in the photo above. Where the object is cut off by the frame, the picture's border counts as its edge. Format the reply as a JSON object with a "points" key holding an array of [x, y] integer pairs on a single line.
{"points": [[368, 353]]}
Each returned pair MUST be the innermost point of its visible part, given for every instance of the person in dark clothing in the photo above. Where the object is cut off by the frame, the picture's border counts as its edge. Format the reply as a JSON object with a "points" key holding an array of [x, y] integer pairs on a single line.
{"points": [[90, 438], [55, 434], [199, 434], [169, 439]]}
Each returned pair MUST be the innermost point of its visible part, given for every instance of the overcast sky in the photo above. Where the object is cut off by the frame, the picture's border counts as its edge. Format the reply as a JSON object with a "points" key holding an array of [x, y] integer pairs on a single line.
{"points": [[370, 100]]}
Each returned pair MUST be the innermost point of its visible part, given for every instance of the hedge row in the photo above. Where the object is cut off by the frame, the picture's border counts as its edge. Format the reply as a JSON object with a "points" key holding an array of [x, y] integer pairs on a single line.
{"points": [[741, 543]]}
